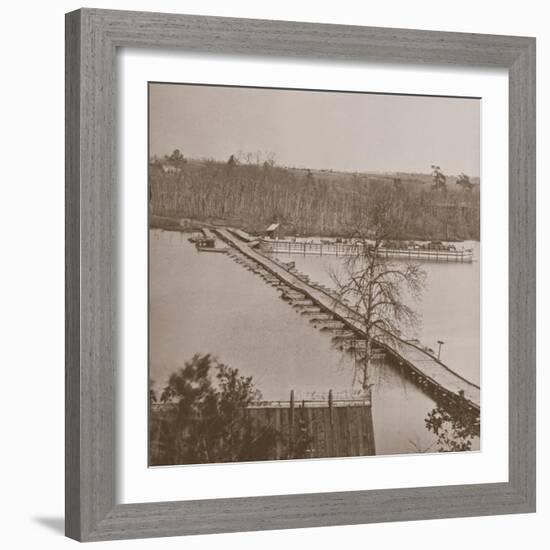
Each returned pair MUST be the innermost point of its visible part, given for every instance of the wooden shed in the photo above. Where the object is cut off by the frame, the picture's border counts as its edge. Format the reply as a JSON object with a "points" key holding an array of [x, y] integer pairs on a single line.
{"points": [[273, 231]]}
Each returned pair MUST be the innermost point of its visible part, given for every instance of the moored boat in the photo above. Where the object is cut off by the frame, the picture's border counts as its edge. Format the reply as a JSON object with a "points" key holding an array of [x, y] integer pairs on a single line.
{"points": [[431, 251], [208, 244]]}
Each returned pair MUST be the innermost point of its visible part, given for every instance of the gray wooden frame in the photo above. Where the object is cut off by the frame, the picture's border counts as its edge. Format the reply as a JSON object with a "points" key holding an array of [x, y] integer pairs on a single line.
{"points": [[92, 39]]}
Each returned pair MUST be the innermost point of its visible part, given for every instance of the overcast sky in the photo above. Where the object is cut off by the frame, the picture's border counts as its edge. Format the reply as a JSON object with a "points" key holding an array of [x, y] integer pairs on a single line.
{"points": [[340, 131]]}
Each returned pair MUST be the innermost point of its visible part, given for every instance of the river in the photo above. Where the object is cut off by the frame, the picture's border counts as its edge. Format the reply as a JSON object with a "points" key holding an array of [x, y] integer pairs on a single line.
{"points": [[448, 305], [207, 303]]}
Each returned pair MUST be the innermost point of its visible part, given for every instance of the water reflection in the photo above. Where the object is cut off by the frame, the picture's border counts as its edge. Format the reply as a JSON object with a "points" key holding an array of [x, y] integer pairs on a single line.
{"points": [[448, 307]]}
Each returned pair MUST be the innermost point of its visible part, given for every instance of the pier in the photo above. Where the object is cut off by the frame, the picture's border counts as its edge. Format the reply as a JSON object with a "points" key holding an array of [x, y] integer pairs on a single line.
{"points": [[424, 369], [345, 249]]}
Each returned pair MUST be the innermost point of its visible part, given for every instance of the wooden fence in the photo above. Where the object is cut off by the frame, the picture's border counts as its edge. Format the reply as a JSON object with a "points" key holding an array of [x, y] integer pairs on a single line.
{"points": [[321, 428], [317, 428], [304, 247], [342, 249]]}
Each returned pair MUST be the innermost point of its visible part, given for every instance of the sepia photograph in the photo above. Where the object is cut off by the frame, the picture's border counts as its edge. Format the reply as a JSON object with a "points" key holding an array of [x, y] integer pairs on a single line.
{"points": [[313, 274]]}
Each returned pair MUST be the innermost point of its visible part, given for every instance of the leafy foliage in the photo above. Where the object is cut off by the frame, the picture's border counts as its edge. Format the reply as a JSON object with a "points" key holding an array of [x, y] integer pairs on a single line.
{"points": [[207, 421], [455, 425], [439, 179], [464, 181]]}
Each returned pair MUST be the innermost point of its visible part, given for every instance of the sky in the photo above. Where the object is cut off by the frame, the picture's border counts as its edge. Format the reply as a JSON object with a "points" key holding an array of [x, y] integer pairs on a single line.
{"points": [[356, 132]]}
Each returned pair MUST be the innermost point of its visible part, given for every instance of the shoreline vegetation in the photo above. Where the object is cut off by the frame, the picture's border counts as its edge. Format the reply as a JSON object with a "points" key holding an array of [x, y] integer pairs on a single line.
{"points": [[203, 415], [253, 194]]}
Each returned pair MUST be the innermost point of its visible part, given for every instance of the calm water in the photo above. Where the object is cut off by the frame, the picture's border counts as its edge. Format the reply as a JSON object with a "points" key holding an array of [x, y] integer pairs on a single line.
{"points": [[449, 306], [207, 303]]}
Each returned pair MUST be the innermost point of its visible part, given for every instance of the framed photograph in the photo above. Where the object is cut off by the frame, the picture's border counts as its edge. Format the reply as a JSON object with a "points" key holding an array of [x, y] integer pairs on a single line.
{"points": [[300, 275]]}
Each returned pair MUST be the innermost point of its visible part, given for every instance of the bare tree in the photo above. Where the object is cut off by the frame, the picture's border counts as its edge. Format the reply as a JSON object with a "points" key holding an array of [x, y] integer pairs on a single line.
{"points": [[373, 285], [270, 158]]}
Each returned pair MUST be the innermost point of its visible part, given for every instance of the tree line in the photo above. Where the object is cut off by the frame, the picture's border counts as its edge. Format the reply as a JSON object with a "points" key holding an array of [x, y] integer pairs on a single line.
{"points": [[253, 195]]}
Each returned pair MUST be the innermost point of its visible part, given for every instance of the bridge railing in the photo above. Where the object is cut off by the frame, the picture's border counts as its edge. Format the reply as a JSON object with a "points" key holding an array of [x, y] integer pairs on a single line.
{"points": [[345, 249]]}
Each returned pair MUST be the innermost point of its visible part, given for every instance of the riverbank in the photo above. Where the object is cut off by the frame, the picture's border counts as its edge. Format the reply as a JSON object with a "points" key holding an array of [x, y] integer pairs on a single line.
{"points": [[173, 222]]}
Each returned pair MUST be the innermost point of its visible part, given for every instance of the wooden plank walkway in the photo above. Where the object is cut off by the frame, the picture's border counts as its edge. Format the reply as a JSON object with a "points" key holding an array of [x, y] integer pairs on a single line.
{"points": [[243, 235], [420, 361]]}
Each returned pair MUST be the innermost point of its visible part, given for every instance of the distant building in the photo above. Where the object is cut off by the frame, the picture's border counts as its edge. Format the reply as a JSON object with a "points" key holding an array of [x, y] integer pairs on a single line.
{"points": [[273, 231], [170, 169]]}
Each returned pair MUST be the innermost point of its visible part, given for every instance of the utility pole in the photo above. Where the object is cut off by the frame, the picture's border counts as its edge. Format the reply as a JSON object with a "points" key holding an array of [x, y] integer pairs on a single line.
{"points": [[440, 342]]}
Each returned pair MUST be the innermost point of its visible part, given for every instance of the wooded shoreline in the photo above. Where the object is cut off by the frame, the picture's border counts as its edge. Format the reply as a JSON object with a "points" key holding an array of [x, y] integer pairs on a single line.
{"points": [[308, 203]]}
